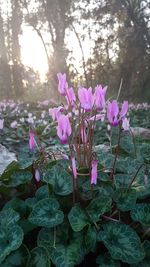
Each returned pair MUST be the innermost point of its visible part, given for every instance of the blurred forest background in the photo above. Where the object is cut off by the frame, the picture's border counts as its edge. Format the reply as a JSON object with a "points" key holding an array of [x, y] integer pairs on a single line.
{"points": [[116, 33]]}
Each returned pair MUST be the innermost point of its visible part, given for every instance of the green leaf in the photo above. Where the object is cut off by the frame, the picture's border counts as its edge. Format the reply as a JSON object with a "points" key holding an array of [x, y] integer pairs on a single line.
{"points": [[49, 237], [18, 258], [39, 258], [30, 202], [122, 180], [65, 247], [42, 192], [60, 179], [46, 238], [18, 178], [141, 213], [107, 261], [146, 261], [125, 199], [90, 239], [126, 143], [18, 205], [10, 239], [67, 256], [105, 159], [98, 206], [9, 217], [144, 151], [77, 218], [46, 213], [127, 165], [122, 242], [11, 168]]}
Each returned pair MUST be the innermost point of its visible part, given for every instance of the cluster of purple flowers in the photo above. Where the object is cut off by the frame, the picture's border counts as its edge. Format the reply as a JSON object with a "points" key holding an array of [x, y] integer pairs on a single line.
{"points": [[76, 121]]}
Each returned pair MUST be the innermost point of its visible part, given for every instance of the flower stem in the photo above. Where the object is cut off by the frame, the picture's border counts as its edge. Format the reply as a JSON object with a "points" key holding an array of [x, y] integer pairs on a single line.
{"points": [[134, 177], [116, 155]]}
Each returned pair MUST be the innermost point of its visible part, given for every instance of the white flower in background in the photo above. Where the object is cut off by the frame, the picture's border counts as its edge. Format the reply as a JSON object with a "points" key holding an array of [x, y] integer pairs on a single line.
{"points": [[126, 124], [22, 120], [29, 114], [43, 114], [108, 127], [45, 122], [14, 124], [30, 120], [1, 124]]}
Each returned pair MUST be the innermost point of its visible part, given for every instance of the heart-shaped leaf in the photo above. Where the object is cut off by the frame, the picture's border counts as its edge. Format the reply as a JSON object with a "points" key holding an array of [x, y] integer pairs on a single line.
{"points": [[46, 213], [67, 256], [18, 258], [122, 242], [146, 261], [42, 192], [60, 179], [8, 217], [39, 258], [77, 218], [141, 213], [107, 261], [125, 199], [10, 239], [98, 206], [50, 237], [90, 238], [18, 178]]}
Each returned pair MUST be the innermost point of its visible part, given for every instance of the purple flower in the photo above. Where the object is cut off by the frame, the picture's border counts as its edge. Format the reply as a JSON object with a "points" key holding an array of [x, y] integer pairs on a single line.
{"points": [[86, 98], [73, 165], [99, 97], [97, 117], [62, 85], [83, 133], [63, 128], [1, 124], [124, 109], [55, 112], [70, 96], [37, 175], [31, 140], [113, 114], [65, 156], [94, 172]]}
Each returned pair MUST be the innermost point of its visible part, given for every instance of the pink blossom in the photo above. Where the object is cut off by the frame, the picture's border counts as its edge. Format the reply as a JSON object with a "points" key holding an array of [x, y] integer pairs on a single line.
{"points": [[37, 175], [113, 114], [31, 140], [124, 109], [1, 124], [63, 128], [73, 165], [83, 134], [62, 85], [97, 117], [86, 98], [99, 97], [94, 172], [70, 96], [65, 156], [55, 112]]}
